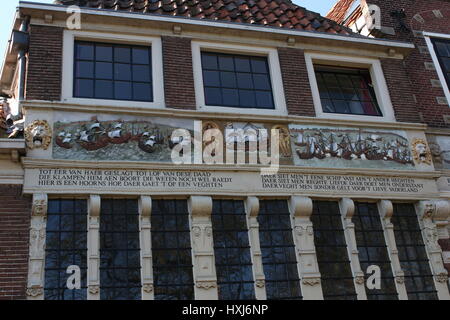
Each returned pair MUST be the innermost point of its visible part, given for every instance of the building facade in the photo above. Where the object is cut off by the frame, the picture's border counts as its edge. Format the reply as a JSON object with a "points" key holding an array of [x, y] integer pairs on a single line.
{"points": [[128, 168]]}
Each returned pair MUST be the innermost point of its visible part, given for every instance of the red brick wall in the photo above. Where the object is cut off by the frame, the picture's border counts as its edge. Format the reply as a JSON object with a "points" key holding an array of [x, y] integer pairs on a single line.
{"points": [[14, 239], [420, 17], [178, 73], [44, 63], [296, 85], [400, 90]]}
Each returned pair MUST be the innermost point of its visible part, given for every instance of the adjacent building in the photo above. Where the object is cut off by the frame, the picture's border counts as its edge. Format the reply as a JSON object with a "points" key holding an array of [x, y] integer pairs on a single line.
{"points": [[98, 97]]}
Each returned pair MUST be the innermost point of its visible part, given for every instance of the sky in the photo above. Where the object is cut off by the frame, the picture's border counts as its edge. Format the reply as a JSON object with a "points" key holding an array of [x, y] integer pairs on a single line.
{"points": [[9, 7]]}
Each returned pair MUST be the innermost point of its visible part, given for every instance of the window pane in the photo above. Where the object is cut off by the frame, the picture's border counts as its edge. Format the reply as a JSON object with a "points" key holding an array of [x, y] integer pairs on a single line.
{"points": [[278, 251], [172, 261], [84, 51], [84, 88], [118, 64], [372, 249], [123, 90], [141, 56], [103, 53], [84, 69], [236, 72], [104, 70], [119, 251], [332, 256], [346, 91], [142, 92], [64, 249], [442, 49], [412, 253], [104, 89], [141, 73], [232, 250]]}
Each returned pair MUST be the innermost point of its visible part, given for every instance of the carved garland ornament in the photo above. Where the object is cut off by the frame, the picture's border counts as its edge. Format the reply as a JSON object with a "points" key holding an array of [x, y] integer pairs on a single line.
{"points": [[311, 281], [38, 134], [206, 284], [421, 151], [35, 291], [94, 289], [148, 287]]}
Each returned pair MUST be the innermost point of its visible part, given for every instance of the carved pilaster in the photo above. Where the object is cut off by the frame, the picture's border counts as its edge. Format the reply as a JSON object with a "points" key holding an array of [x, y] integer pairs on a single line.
{"points": [[347, 208], [145, 209], [429, 212], [93, 278], [301, 209], [205, 278], [36, 261], [386, 210], [252, 210]]}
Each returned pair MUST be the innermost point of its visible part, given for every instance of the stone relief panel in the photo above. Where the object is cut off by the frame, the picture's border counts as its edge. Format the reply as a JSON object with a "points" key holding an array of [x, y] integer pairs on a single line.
{"points": [[317, 146], [138, 140], [440, 151]]}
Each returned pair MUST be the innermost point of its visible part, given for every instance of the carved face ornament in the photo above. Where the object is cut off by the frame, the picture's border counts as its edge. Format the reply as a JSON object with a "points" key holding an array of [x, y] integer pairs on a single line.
{"points": [[38, 135], [421, 151]]}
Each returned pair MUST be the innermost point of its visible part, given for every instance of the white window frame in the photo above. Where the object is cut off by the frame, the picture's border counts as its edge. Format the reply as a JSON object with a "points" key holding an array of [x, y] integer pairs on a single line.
{"points": [[378, 81], [274, 71], [434, 56], [70, 36]]}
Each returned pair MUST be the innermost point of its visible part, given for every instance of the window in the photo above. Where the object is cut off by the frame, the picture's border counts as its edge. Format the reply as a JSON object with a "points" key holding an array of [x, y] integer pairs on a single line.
{"points": [[120, 267], [332, 255], [346, 90], [112, 71], [171, 247], [241, 81], [232, 251], [66, 245], [412, 254], [373, 250], [278, 251], [442, 49]]}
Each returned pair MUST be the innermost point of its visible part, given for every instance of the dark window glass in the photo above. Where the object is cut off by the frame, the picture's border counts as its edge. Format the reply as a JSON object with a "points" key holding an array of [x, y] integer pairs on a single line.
{"points": [[346, 90], [278, 251], [111, 71], [373, 250], [66, 245], [332, 255], [232, 250], [225, 74], [120, 266], [442, 49], [171, 246], [412, 254]]}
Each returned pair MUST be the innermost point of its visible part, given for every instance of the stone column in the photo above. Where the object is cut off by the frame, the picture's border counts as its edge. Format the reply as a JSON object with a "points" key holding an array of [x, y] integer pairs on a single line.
{"points": [[429, 213], [301, 209], [386, 210], [93, 247], [205, 279], [252, 210], [36, 261], [145, 210], [347, 208]]}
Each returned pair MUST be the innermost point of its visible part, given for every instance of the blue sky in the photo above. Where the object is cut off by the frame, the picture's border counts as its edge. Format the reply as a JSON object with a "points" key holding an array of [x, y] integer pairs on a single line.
{"points": [[9, 7]]}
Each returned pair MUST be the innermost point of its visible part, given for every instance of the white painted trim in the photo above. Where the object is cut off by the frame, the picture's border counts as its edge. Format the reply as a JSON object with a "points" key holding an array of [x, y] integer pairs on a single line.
{"points": [[434, 57], [378, 80], [274, 69], [68, 63], [219, 24]]}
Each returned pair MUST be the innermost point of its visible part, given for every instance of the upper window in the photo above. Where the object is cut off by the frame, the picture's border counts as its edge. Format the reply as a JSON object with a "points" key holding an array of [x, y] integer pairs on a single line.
{"points": [[346, 91], [236, 81], [112, 71], [442, 49]]}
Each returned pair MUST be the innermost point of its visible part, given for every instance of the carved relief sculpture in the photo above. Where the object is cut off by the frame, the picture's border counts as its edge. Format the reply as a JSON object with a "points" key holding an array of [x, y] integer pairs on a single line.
{"points": [[38, 134], [421, 151]]}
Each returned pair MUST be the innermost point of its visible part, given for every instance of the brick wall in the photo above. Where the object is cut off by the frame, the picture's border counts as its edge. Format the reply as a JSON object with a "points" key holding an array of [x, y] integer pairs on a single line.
{"points": [[400, 90], [178, 73], [14, 240], [445, 246], [421, 15], [296, 82], [44, 70]]}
